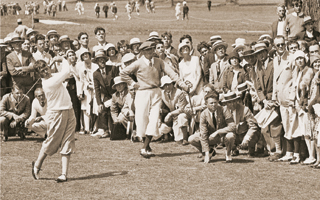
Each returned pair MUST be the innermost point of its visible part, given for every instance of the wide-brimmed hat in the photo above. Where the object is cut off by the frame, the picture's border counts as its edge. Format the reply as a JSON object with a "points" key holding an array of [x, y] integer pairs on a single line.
{"points": [[239, 43], [233, 55], [135, 41], [314, 58], [99, 54], [64, 38], [213, 39], [29, 31], [182, 44], [242, 87], [264, 36], [7, 40], [260, 47], [219, 43], [128, 57], [230, 96], [165, 80], [299, 54], [153, 36], [307, 20], [117, 80], [52, 32], [16, 38], [147, 45], [2, 43], [247, 52], [83, 51]]}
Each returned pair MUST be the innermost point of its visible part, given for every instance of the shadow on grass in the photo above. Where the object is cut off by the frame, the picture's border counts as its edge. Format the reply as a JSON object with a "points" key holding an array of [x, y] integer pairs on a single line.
{"points": [[233, 160], [163, 155], [94, 176]]}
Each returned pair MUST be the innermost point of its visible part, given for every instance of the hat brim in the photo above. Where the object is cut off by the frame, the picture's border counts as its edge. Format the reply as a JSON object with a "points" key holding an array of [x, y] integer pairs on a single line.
{"points": [[308, 22], [153, 38], [226, 101], [239, 47], [95, 59], [114, 85], [53, 34], [15, 41], [255, 52], [220, 44], [31, 32], [179, 54], [162, 85]]}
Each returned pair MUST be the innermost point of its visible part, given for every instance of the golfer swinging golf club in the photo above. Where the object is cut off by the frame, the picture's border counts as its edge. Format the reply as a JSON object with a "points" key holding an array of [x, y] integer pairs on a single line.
{"points": [[60, 119]]}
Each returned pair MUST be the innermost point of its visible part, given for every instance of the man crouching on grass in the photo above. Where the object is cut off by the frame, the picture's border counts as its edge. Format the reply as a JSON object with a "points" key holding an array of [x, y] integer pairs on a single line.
{"points": [[60, 119], [216, 125]]}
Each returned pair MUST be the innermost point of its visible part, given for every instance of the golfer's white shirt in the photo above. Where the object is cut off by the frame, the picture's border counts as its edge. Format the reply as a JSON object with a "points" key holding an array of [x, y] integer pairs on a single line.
{"points": [[57, 95]]}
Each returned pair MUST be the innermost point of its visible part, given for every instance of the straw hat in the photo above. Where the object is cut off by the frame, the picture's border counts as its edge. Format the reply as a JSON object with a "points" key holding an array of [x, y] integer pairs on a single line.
{"points": [[307, 20], [219, 43], [2, 43], [247, 52], [214, 38], [100, 54], [16, 38], [165, 80], [117, 80], [128, 57], [260, 47], [153, 36], [242, 87], [29, 31], [64, 38], [52, 32], [230, 96]]}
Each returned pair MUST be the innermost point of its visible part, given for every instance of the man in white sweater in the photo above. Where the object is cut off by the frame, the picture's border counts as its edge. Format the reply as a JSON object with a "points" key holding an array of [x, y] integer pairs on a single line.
{"points": [[60, 119], [148, 71]]}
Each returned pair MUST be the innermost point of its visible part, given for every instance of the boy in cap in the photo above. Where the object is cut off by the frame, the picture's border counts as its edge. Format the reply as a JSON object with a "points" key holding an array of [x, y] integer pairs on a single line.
{"points": [[175, 117], [148, 98]]}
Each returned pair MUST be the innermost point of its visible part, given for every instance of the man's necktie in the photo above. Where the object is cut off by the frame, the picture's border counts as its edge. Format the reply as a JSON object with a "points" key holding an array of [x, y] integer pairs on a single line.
{"points": [[218, 69], [214, 121]]}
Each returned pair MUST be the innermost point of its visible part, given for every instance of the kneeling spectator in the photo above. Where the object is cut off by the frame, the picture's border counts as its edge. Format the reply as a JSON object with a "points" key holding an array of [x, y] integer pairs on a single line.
{"points": [[38, 109], [247, 129], [216, 125], [118, 101], [14, 110], [175, 117]]}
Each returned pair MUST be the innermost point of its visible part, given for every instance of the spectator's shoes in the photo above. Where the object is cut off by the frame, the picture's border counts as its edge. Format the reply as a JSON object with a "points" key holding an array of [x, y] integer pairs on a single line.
{"points": [[309, 161], [229, 159], [99, 133], [105, 135], [295, 160], [274, 157], [61, 178], [286, 158], [35, 172], [144, 153], [185, 142]]}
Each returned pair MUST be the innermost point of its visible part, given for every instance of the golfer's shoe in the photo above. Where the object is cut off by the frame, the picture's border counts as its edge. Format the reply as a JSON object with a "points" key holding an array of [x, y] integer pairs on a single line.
{"points": [[61, 178], [35, 172], [149, 152]]}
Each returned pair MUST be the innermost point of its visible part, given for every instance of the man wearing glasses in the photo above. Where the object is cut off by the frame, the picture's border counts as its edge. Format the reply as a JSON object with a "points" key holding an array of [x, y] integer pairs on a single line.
{"points": [[294, 21]]}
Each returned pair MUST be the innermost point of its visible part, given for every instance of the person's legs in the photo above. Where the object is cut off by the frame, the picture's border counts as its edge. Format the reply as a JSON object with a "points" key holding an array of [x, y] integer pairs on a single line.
{"points": [[229, 142], [311, 150], [289, 153], [4, 126], [194, 140]]}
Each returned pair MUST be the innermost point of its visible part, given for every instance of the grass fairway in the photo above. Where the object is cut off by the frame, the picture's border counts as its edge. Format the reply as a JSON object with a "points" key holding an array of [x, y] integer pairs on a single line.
{"points": [[104, 169]]}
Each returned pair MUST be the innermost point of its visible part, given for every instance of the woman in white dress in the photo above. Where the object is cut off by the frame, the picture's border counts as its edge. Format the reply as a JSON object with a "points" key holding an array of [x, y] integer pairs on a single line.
{"points": [[190, 69], [86, 90]]}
